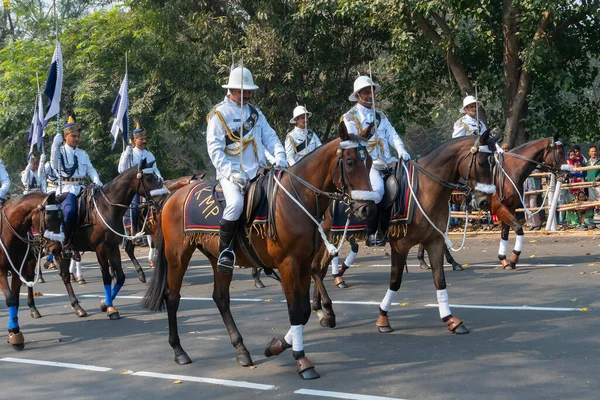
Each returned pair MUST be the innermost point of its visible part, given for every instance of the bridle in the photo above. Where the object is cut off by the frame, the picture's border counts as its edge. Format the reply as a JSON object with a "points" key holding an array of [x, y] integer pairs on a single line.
{"points": [[555, 168]]}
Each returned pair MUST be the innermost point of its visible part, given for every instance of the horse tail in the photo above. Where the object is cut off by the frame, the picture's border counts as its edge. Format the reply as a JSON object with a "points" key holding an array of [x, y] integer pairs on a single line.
{"points": [[154, 299]]}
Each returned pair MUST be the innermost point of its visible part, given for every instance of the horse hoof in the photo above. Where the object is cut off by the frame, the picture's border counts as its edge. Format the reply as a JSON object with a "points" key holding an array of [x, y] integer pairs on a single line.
{"points": [[327, 322], [457, 267], [102, 306], [142, 276], [513, 265], [343, 285], [310, 373], [461, 330], [183, 359], [80, 312], [72, 278], [81, 281], [18, 347], [305, 369], [508, 266], [258, 284], [16, 340], [41, 280], [244, 359], [112, 313], [385, 329], [35, 314], [424, 267]]}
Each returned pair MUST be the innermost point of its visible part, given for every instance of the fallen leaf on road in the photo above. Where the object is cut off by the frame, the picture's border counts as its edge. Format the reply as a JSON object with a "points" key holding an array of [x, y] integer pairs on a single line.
{"points": [[532, 256], [465, 265], [593, 272], [127, 372], [403, 304], [532, 241], [582, 273], [268, 300], [177, 382], [584, 309], [574, 299], [38, 294], [591, 265], [587, 254]]}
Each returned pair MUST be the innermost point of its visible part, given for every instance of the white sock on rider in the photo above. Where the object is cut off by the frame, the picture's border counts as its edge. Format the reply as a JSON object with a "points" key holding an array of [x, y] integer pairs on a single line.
{"points": [[297, 343], [335, 265], [387, 300], [444, 306], [350, 259], [502, 248]]}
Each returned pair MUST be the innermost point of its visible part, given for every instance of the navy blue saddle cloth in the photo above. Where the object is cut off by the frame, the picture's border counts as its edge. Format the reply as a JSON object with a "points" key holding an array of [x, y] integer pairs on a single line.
{"points": [[339, 213], [398, 200]]}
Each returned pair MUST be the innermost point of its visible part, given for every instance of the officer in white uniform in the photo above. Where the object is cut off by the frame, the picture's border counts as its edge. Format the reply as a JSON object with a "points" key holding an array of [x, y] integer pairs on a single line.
{"points": [[33, 176], [71, 165], [4, 182], [300, 141], [357, 122], [468, 124], [223, 142]]}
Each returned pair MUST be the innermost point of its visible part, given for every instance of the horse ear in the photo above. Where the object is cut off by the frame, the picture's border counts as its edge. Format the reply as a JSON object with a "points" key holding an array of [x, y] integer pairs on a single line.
{"points": [[51, 197], [342, 131], [150, 164], [555, 137], [484, 139]]}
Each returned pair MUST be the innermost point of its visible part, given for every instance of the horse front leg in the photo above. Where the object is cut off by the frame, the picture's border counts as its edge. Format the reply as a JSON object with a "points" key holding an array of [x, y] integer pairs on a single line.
{"points": [[436, 251], [130, 250], [33, 311], [256, 276], [15, 336], [64, 263], [221, 297], [510, 221], [321, 299], [421, 257], [455, 266], [338, 272], [296, 286], [398, 259], [108, 259]]}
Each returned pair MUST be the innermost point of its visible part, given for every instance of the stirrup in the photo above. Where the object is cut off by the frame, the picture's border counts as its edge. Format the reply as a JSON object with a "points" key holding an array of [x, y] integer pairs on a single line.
{"points": [[223, 263]]}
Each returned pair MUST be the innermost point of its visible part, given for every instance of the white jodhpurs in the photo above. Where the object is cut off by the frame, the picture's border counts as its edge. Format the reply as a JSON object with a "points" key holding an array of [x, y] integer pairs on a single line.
{"points": [[376, 184], [234, 201]]}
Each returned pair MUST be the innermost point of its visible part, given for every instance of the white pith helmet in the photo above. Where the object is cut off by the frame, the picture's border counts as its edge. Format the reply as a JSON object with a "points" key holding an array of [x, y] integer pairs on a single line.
{"points": [[360, 83], [298, 111], [235, 79], [467, 101]]}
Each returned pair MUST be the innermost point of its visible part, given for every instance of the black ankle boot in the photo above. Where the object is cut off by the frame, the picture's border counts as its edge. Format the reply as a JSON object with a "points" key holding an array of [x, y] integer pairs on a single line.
{"points": [[226, 260]]}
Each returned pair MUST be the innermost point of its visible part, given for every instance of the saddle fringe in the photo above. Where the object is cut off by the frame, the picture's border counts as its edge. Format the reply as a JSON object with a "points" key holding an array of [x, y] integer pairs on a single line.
{"points": [[397, 231]]}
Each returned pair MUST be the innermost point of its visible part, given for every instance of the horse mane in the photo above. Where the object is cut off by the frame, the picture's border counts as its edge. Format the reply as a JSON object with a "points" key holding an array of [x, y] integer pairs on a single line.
{"points": [[353, 138]]}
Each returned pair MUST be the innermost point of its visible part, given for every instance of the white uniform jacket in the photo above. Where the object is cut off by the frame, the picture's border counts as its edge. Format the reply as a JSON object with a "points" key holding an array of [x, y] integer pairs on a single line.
{"points": [[467, 126], [76, 181], [359, 117], [32, 180], [223, 144], [4, 181], [131, 157], [298, 145]]}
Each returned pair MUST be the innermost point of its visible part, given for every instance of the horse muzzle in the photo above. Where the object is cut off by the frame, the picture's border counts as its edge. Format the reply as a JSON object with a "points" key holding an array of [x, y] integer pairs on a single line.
{"points": [[364, 209], [481, 202]]}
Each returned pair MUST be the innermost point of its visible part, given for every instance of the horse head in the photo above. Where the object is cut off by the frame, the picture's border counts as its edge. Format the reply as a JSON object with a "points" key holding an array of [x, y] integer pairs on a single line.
{"points": [[554, 157], [50, 216], [478, 171], [146, 183], [352, 171]]}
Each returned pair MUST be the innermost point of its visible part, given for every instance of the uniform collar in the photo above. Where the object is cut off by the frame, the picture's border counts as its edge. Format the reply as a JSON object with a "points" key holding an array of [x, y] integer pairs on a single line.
{"points": [[362, 109]]}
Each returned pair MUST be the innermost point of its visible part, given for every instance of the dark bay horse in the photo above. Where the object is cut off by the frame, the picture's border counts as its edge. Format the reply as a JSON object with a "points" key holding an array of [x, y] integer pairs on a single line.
{"points": [[101, 230], [340, 166], [547, 154], [439, 173], [129, 247], [18, 248]]}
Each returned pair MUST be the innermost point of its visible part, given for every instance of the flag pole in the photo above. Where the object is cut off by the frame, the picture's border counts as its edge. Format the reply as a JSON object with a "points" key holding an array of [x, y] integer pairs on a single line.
{"points": [[58, 113], [37, 78]]}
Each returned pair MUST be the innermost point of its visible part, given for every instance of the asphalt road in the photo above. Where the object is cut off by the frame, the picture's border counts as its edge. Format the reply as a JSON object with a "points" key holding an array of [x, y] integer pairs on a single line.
{"points": [[546, 350]]}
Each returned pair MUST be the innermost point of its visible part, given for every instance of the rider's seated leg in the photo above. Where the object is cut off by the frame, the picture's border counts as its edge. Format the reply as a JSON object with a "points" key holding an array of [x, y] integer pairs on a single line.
{"points": [[373, 239], [231, 214], [69, 207]]}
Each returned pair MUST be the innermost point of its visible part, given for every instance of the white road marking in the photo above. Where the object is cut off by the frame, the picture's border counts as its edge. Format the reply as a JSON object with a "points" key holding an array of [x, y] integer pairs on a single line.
{"points": [[477, 265], [342, 395], [519, 308], [55, 364], [222, 382]]}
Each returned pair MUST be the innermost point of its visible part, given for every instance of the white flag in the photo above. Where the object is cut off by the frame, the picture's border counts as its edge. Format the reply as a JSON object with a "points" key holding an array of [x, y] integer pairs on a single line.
{"points": [[119, 110]]}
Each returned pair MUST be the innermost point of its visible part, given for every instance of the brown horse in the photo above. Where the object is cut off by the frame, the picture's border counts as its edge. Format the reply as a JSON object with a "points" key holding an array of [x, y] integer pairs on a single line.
{"points": [[338, 167], [546, 154], [439, 173], [129, 246], [18, 248], [102, 230]]}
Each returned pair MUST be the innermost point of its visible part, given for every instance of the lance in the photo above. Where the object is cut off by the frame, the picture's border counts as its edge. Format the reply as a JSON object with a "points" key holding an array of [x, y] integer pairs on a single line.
{"points": [[242, 117], [373, 110], [477, 112]]}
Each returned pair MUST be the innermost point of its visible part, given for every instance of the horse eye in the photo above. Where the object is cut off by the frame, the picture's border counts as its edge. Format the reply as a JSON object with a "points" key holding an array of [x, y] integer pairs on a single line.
{"points": [[350, 162]]}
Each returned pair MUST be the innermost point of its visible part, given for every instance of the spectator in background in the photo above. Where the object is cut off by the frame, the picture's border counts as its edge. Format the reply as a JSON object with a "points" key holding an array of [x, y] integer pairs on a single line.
{"points": [[582, 218], [578, 154], [576, 161], [594, 174], [534, 221]]}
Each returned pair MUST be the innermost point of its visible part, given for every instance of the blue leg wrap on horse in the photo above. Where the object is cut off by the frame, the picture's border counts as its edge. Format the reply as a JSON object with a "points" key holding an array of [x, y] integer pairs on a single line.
{"points": [[13, 319], [107, 296], [115, 291], [50, 257]]}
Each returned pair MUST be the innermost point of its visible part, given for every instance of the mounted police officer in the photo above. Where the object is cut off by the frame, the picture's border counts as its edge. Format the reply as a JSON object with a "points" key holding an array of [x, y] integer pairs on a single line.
{"points": [[300, 141], [134, 156], [469, 124], [358, 121], [33, 176], [71, 165], [4, 183], [225, 121]]}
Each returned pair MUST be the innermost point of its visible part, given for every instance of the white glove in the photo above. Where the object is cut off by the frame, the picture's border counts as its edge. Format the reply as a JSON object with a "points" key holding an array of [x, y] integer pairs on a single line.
{"points": [[128, 149], [281, 163], [57, 141], [405, 156], [99, 184], [42, 160]]}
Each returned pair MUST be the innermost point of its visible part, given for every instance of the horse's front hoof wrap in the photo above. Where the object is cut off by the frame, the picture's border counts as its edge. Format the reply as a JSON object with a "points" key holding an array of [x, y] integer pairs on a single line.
{"points": [[455, 325], [112, 313], [16, 340], [276, 347], [339, 282], [183, 359], [305, 369], [383, 324], [505, 264]]}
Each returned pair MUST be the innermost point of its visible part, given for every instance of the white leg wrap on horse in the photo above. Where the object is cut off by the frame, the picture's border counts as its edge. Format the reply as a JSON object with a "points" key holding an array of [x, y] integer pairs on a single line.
{"points": [[335, 265], [502, 248], [149, 240], [519, 242], [288, 337], [298, 344], [78, 267], [350, 259], [72, 267], [442, 297], [150, 254], [387, 300]]}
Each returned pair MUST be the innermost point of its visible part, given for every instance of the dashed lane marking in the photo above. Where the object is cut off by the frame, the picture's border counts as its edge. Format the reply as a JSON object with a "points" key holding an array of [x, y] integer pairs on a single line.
{"points": [[342, 395], [519, 308], [55, 364]]}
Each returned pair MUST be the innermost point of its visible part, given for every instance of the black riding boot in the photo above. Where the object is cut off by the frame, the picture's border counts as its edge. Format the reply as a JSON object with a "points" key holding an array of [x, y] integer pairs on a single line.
{"points": [[226, 260], [374, 236]]}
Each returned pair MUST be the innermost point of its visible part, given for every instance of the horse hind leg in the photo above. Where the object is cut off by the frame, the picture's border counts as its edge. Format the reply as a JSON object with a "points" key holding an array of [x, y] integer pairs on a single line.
{"points": [[503, 246], [15, 336], [64, 263], [129, 249], [514, 257], [221, 297], [421, 257], [33, 311], [256, 276], [321, 303], [455, 266]]}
